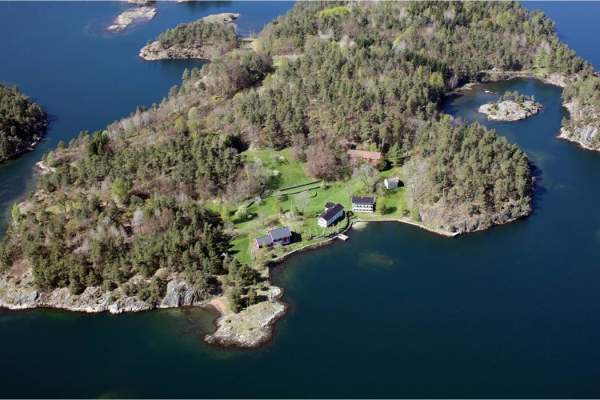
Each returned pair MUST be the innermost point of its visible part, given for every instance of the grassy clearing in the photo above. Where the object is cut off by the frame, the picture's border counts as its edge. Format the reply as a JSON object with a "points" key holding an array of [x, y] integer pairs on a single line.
{"points": [[331, 12], [298, 207]]}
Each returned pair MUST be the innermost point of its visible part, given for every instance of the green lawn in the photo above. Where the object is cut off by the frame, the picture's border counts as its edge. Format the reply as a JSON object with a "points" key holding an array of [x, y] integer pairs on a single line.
{"points": [[298, 208], [291, 172]]}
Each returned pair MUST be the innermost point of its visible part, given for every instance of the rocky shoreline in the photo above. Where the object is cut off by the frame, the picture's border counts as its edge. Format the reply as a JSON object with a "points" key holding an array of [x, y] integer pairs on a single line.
{"points": [[131, 16], [249, 328], [155, 50], [252, 326], [580, 128]]}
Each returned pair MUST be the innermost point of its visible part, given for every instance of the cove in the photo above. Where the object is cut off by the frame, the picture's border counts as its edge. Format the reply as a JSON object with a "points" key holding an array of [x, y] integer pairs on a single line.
{"points": [[394, 312]]}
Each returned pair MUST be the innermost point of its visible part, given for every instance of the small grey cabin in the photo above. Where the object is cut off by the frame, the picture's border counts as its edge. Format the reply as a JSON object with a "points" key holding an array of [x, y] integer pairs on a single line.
{"points": [[332, 213], [391, 183], [363, 204]]}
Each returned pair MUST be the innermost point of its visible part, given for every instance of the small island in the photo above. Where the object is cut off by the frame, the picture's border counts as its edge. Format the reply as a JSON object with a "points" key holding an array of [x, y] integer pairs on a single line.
{"points": [[131, 16], [512, 106], [22, 123], [207, 38]]}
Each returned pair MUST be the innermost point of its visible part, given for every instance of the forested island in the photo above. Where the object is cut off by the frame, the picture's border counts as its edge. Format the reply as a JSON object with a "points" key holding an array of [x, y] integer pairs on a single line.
{"points": [[512, 106], [22, 122], [207, 38], [162, 208]]}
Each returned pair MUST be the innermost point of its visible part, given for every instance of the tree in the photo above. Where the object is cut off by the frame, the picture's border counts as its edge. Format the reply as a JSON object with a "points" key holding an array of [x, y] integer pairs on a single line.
{"points": [[120, 190]]}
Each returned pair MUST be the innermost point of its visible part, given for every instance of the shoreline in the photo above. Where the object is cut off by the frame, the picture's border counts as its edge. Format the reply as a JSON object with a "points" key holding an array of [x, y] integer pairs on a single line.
{"points": [[232, 329], [563, 136], [29, 148], [257, 322], [154, 50]]}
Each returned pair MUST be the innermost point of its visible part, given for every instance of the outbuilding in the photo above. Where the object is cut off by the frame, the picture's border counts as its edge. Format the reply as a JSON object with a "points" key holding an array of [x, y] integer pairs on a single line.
{"points": [[391, 183]]}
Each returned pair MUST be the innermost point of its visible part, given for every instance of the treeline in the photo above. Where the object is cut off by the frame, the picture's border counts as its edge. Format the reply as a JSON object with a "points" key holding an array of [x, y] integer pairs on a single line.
{"points": [[458, 38], [514, 96], [469, 172], [199, 34], [83, 241], [22, 122], [200, 166], [123, 208]]}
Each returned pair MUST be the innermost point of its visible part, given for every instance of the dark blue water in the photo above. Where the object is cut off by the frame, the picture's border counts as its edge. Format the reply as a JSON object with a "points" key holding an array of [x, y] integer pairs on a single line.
{"points": [[394, 312]]}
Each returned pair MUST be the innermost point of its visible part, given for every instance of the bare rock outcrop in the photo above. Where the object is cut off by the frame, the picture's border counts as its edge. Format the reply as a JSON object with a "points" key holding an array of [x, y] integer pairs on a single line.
{"points": [[19, 292], [131, 16], [252, 326], [509, 110], [582, 126]]}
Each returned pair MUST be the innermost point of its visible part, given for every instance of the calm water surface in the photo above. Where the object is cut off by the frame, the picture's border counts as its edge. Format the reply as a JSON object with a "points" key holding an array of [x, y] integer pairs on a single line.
{"points": [[393, 312]]}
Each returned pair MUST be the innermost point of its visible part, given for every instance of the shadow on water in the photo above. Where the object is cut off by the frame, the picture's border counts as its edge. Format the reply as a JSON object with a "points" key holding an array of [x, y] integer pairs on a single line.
{"points": [[538, 190]]}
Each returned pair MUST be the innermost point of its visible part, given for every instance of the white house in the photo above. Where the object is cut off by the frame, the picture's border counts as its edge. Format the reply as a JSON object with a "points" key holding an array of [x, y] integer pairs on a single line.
{"points": [[332, 213], [363, 204]]}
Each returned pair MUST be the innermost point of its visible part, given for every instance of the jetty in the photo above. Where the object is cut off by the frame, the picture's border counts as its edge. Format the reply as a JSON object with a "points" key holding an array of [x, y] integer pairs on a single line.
{"points": [[342, 237]]}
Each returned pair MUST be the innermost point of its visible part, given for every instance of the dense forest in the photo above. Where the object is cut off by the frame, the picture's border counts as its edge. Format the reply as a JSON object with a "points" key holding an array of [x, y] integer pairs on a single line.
{"points": [[22, 122], [132, 203], [204, 39]]}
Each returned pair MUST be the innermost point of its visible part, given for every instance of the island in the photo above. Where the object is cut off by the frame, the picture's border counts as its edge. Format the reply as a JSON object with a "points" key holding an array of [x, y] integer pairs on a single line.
{"points": [[512, 106], [131, 16], [332, 118], [22, 123], [207, 38]]}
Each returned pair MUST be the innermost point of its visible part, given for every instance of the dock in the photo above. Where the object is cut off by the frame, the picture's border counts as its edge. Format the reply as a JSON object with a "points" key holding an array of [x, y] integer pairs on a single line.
{"points": [[342, 237]]}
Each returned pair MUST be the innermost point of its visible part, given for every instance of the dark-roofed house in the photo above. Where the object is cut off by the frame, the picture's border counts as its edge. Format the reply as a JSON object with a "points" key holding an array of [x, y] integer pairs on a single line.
{"points": [[280, 235], [332, 213], [363, 204], [263, 241]]}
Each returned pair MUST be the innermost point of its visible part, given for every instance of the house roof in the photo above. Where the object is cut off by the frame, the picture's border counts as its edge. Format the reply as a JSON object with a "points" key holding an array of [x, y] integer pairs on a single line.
{"points": [[394, 179], [369, 155], [331, 212], [363, 200], [280, 233], [264, 241]]}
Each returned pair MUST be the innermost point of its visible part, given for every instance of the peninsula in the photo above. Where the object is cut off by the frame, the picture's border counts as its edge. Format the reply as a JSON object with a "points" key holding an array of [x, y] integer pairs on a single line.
{"points": [[131, 16], [336, 107], [511, 106], [207, 38], [22, 123]]}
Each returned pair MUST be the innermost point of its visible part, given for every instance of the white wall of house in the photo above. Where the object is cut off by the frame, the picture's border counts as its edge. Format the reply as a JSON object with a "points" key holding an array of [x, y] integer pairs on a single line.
{"points": [[324, 223], [362, 207]]}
